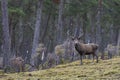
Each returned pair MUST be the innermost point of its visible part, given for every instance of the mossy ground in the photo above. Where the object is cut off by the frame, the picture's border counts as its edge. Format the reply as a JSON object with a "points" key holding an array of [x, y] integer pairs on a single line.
{"points": [[104, 70]]}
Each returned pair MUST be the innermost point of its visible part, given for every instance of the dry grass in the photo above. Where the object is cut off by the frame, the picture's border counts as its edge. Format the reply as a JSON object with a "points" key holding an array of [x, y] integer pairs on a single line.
{"points": [[104, 70]]}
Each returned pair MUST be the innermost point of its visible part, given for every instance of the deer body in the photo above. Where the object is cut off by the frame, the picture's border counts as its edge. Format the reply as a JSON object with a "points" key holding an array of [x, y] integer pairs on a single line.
{"points": [[17, 63], [85, 49]]}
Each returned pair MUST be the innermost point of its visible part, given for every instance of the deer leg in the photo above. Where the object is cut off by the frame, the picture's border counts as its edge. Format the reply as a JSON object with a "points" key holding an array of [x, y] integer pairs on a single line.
{"points": [[96, 58], [93, 58], [81, 60], [20, 68]]}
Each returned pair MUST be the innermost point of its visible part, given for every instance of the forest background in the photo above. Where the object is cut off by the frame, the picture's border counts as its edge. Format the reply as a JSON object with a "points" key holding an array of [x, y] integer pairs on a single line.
{"points": [[26, 23]]}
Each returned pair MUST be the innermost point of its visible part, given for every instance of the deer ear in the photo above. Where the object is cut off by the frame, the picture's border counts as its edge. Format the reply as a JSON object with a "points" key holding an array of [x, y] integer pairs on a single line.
{"points": [[73, 38]]}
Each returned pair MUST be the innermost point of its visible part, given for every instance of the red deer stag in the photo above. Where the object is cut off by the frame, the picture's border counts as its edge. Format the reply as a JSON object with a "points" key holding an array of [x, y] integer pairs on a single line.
{"points": [[85, 49]]}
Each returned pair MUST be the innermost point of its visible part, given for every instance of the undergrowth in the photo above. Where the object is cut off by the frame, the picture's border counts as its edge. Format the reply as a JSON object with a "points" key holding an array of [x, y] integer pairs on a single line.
{"points": [[104, 70]]}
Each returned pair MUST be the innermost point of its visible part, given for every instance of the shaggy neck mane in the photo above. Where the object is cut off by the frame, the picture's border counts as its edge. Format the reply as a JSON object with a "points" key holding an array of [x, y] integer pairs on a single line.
{"points": [[78, 46]]}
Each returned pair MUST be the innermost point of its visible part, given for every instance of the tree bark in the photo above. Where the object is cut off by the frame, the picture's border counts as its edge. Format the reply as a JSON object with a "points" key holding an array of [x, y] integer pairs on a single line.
{"points": [[84, 26], [92, 27], [98, 27], [78, 26], [19, 38], [118, 43], [98, 31], [60, 23], [6, 35], [37, 30], [111, 34], [44, 31]]}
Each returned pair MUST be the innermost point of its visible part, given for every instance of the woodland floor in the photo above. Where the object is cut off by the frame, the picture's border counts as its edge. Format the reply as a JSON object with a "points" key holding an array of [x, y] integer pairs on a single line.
{"points": [[104, 70]]}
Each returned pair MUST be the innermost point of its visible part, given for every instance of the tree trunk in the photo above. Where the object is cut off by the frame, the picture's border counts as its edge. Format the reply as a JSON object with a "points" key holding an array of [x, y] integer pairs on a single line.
{"points": [[6, 35], [19, 38], [44, 31], [98, 27], [92, 27], [98, 30], [37, 30], [84, 26], [118, 43], [60, 23], [78, 26]]}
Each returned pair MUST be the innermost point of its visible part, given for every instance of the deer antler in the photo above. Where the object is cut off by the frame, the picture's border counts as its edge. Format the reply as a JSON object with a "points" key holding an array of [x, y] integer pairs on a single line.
{"points": [[80, 36]]}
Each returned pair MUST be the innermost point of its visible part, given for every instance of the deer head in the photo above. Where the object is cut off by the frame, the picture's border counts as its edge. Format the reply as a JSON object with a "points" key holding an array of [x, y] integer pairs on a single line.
{"points": [[77, 39]]}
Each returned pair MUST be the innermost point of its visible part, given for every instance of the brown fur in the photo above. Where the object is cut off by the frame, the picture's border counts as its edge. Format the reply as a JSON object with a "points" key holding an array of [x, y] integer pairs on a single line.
{"points": [[17, 63], [112, 50], [85, 49], [51, 58]]}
